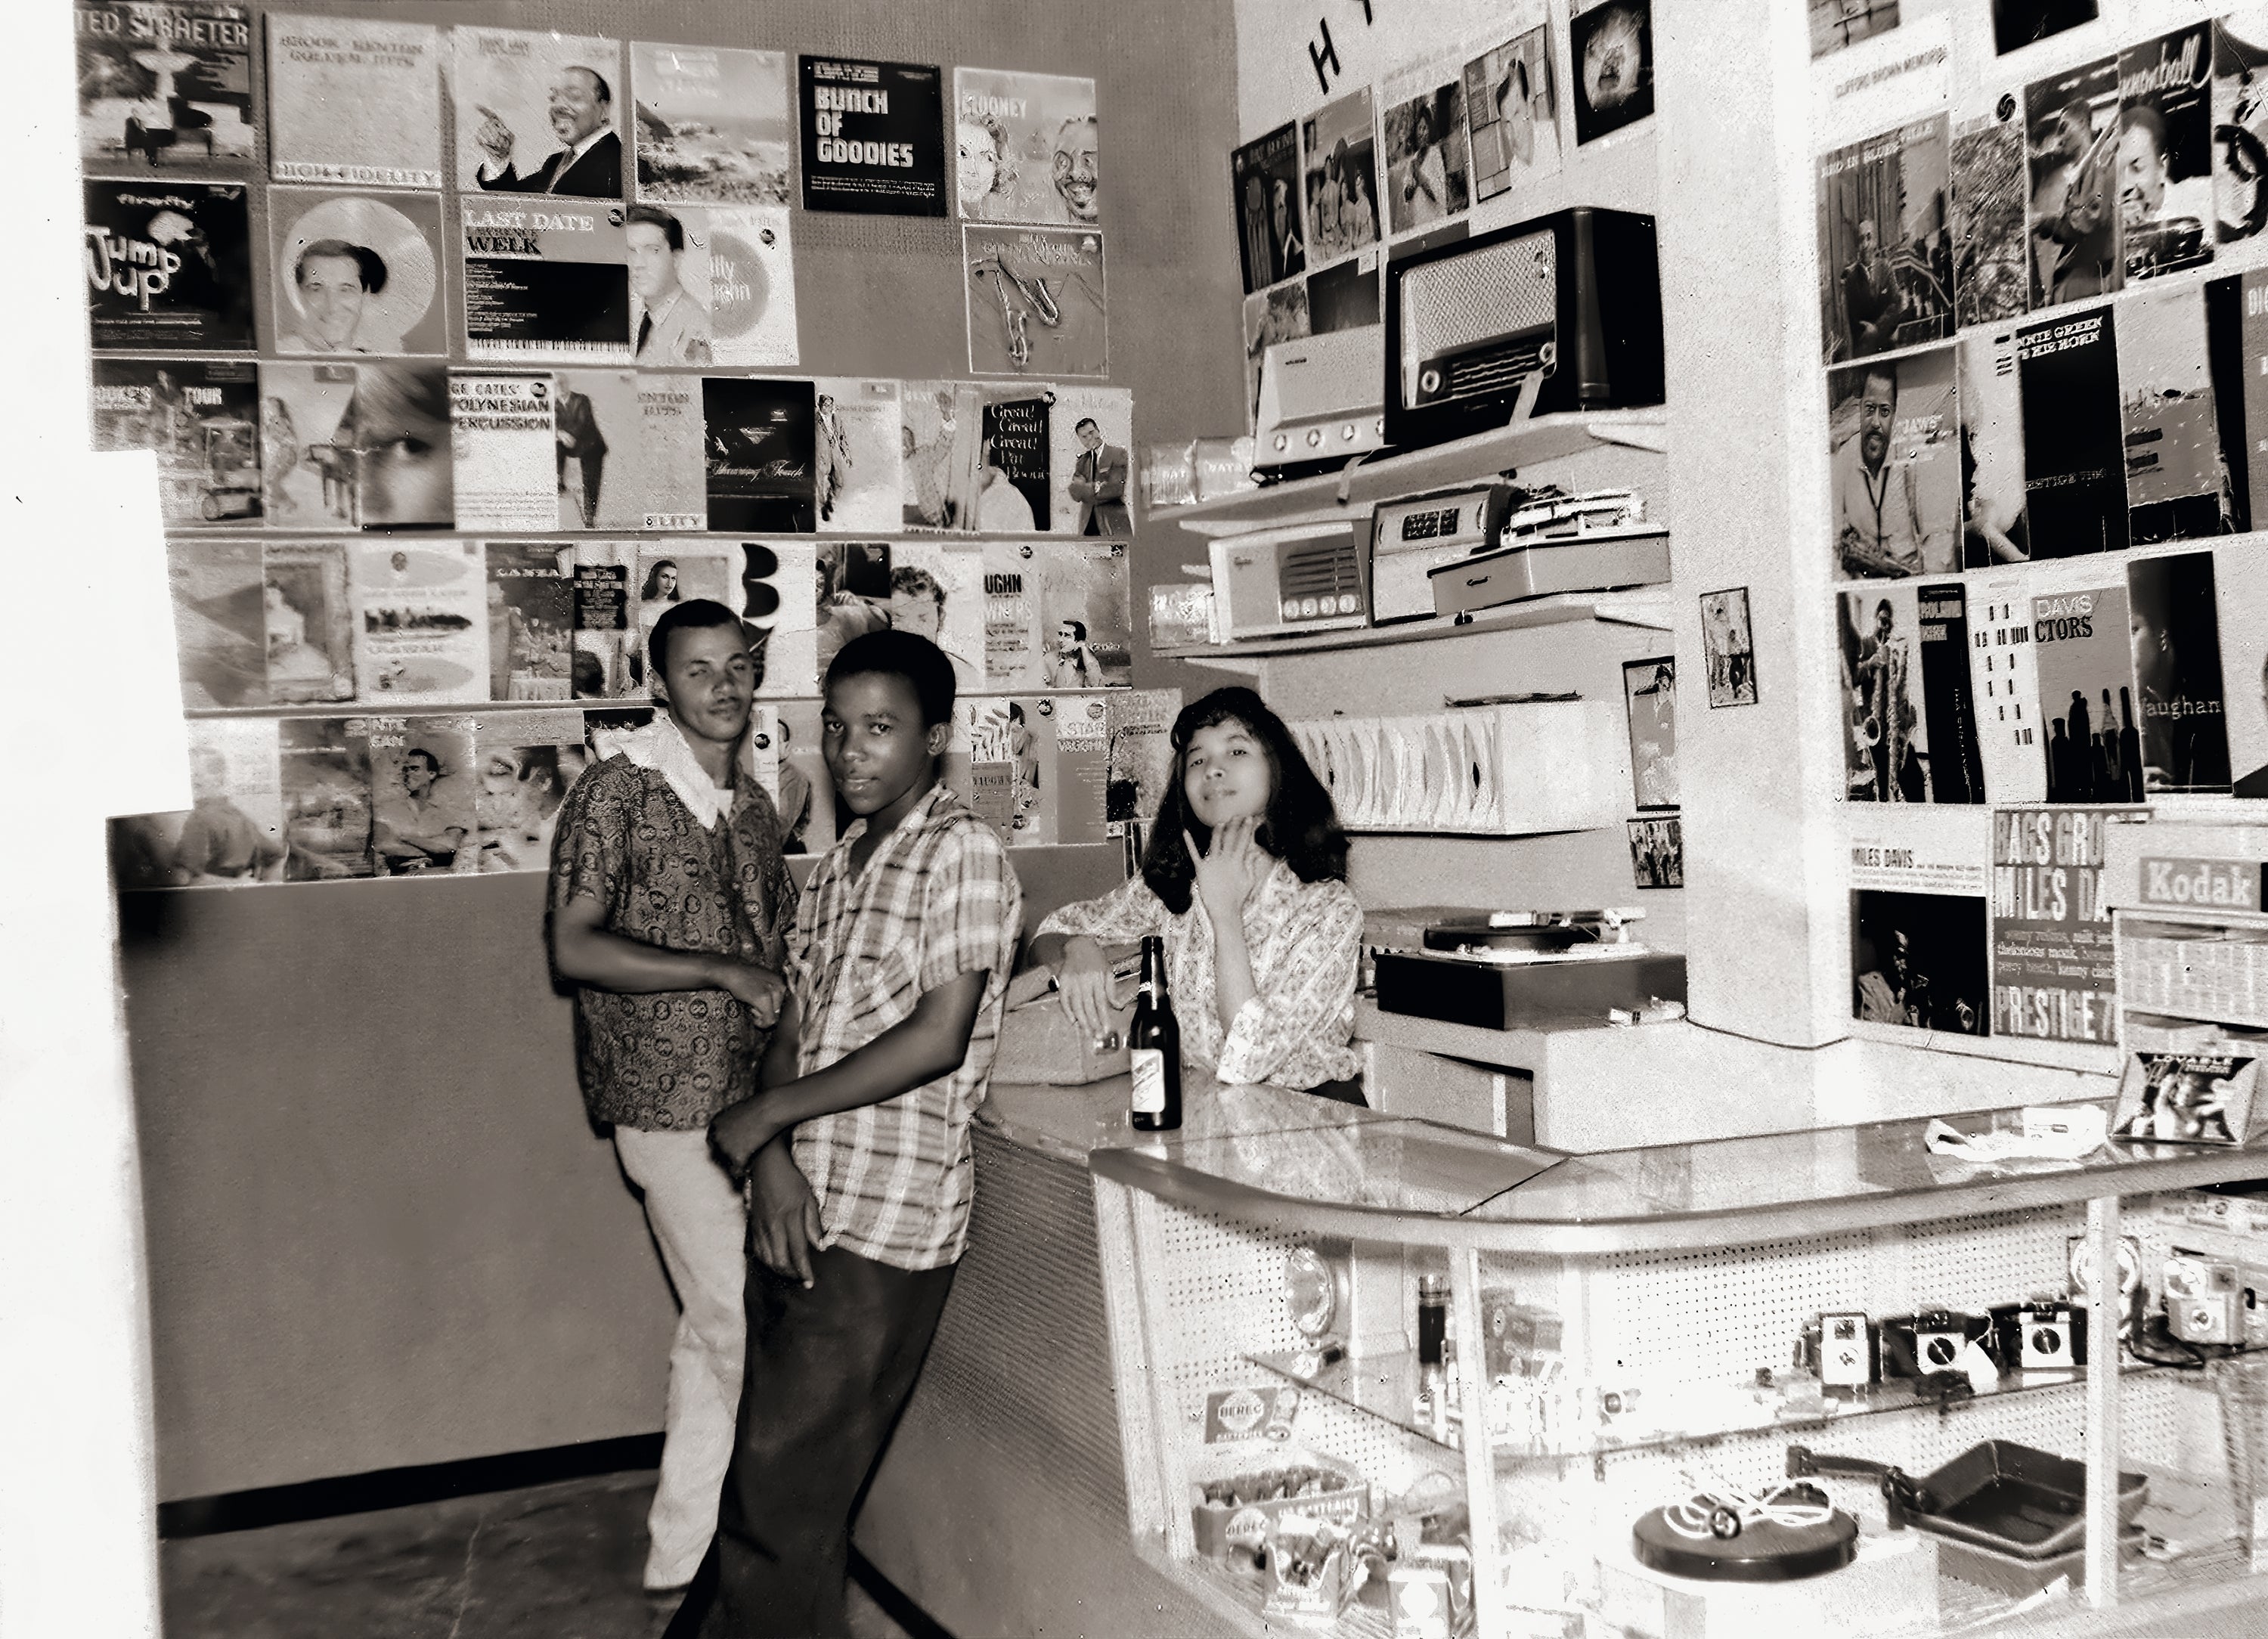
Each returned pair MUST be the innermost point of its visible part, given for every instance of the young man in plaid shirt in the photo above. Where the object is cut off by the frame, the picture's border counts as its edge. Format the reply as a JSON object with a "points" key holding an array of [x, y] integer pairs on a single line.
{"points": [[858, 1146]]}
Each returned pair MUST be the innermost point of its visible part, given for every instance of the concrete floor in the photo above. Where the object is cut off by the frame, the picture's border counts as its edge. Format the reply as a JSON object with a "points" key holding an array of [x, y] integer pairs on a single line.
{"points": [[550, 1562]]}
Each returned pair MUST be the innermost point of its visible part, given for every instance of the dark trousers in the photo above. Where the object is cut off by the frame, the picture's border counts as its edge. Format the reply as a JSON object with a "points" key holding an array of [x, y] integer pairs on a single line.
{"points": [[828, 1371]]}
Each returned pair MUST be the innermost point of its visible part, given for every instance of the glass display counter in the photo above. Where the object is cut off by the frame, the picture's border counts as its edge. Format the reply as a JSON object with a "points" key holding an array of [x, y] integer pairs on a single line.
{"points": [[1629, 1330]]}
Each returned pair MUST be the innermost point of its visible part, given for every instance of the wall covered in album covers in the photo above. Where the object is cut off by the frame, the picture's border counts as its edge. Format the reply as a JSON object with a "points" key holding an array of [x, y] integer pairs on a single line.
{"points": [[376, 1218]]}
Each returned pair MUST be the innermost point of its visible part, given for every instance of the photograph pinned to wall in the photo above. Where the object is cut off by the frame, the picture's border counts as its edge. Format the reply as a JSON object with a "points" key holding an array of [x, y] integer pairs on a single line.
{"points": [[356, 446], [233, 833], [1835, 24], [1271, 317], [2084, 661], [807, 791], [2240, 123], [1886, 731], [1895, 466], [531, 606], [858, 438], [1271, 237], [2241, 594], [1885, 245], [220, 627], [167, 88], [937, 591], [354, 101], [168, 266], [777, 598], [2175, 631], [505, 440], [1427, 153], [873, 136], [537, 113], [526, 760], [599, 665], [2165, 153], [355, 273], [1993, 530], [850, 594], [2071, 136], [1058, 615], [202, 417], [1728, 646], [324, 764], [1339, 144], [1657, 848], [2203, 1097], [668, 482], [1990, 281], [1091, 432], [1919, 959], [596, 428], [2004, 681], [1611, 44], [421, 621], [1138, 755], [1038, 303], [308, 621], [1511, 106], [1948, 702], [941, 441], [545, 282], [423, 779], [1650, 703], [710, 285], [711, 124], [1014, 456], [2020, 23], [2054, 976], [2074, 442], [666, 573], [1026, 147], [759, 440], [2178, 484]]}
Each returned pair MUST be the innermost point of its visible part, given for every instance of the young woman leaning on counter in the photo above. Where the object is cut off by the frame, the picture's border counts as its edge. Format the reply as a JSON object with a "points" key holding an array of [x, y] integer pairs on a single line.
{"points": [[1245, 876]]}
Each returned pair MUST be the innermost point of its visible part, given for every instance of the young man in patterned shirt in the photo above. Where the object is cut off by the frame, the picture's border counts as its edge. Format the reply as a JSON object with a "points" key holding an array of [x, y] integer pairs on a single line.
{"points": [[859, 1143], [670, 906]]}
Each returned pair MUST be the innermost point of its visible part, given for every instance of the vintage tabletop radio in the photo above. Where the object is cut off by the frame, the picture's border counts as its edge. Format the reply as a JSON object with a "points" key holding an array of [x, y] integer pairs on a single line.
{"points": [[1321, 402], [1306, 578], [1416, 534]]}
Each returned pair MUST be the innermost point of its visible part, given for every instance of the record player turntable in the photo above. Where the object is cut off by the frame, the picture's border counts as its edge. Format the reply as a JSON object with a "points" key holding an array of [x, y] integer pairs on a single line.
{"points": [[1503, 970]]}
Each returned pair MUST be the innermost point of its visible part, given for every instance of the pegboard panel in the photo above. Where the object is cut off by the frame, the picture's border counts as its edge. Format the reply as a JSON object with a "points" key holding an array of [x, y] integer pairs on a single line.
{"points": [[1704, 1316], [1972, 1264]]}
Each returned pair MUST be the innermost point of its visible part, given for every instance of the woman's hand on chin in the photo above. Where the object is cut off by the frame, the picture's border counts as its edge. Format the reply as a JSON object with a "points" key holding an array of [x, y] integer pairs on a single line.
{"points": [[1227, 875]]}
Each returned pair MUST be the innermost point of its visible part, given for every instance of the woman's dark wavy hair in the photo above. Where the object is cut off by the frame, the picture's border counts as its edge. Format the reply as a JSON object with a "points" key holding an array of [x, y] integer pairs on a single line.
{"points": [[1301, 828]]}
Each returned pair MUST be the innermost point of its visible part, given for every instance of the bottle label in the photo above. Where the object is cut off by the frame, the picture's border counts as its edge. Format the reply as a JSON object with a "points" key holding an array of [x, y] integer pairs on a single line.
{"points": [[1149, 1081]]}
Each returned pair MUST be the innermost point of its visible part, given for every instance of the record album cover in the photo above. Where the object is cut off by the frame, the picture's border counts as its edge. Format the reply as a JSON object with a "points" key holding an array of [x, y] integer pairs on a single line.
{"points": [[1990, 282], [873, 136], [712, 125], [668, 486], [860, 436], [504, 439], [526, 760], [666, 573], [1056, 615], [234, 831], [2241, 596], [220, 623], [760, 437], [2054, 975], [2087, 704], [600, 660], [531, 612], [1895, 466], [423, 782], [1340, 150], [2074, 444], [356, 446], [537, 113], [421, 621], [1428, 153], [2004, 682], [710, 284], [2176, 637], [308, 621], [1919, 959], [779, 599], [598, 446], [355, 273], [1956, 763], [1271, 234], [546, 280], [324, 765], [202, 417], [2020, 23], [2072, 122], [1511, 104], [2240, 124], [165, 87], [2165, 153], [168, 266], [354, 101], [1885, 243], [1091, 433], [1037, 302], [2177, 472], [2202, 1097], [1611, 44], [1888, 730], [1026, 147], [1014, 499], [1993, 528]]}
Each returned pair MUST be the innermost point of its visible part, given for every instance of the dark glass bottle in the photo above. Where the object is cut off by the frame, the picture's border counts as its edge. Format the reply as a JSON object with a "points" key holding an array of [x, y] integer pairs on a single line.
{"points": [[1155, 1039]]}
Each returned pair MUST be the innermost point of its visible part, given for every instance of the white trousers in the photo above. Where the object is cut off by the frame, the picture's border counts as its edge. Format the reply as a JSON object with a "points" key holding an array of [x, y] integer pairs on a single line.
{"points": [[701, 1224]]}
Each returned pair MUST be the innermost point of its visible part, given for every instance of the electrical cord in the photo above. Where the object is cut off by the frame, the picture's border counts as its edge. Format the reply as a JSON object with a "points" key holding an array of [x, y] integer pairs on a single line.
{"points": [[1723, 1512]]}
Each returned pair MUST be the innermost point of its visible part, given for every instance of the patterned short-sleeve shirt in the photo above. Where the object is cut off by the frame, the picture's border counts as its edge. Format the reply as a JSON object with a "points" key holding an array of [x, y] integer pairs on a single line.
{"points": [[939, 899], [670, 1060]]}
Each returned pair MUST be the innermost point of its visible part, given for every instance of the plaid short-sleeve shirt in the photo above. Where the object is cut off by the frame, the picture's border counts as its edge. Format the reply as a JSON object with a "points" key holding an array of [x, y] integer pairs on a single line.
{"points": [[937, 900]]}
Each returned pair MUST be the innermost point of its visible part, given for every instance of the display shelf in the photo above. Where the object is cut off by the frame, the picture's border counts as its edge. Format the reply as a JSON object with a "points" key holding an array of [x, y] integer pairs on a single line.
{"points": [[1462, 460], [1384, 1385], [1646, 607], [1236, 1599], [489, 708]]}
